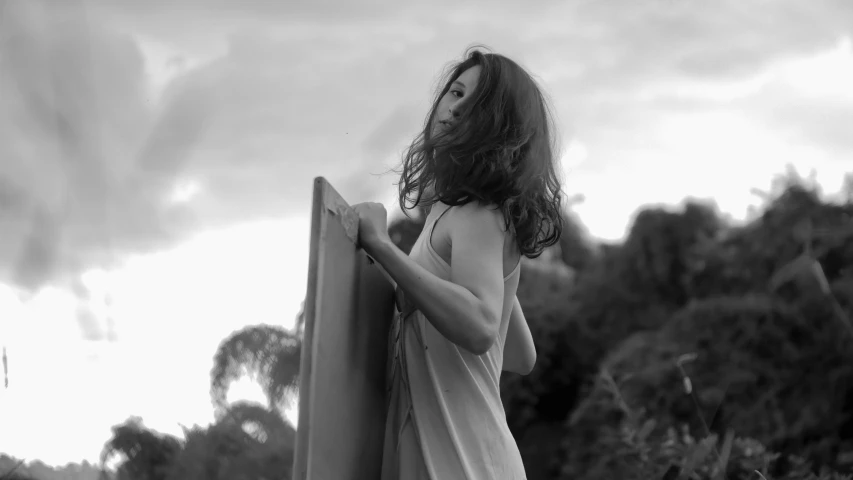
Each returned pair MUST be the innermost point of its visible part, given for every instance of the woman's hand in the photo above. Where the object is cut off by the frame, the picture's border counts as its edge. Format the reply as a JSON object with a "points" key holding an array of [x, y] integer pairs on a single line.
{"points": [[372, 225]]}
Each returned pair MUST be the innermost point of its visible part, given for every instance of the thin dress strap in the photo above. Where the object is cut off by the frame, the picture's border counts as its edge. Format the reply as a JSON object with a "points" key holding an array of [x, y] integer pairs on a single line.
{"points": [[399, 296]]}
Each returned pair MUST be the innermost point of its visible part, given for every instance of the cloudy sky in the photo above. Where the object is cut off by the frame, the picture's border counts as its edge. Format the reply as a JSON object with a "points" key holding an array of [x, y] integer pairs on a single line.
{"points": [[156, 158]]}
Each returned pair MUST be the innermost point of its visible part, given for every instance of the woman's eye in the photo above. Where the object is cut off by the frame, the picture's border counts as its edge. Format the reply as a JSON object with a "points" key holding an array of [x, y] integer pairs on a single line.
{"points": [[456, 93]]}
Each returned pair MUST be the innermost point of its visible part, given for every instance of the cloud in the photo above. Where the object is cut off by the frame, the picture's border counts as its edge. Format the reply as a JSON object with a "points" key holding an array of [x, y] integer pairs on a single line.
{"points": [[278, 120], [398, 128], [94, 163], [72, 116], [89, 325]]}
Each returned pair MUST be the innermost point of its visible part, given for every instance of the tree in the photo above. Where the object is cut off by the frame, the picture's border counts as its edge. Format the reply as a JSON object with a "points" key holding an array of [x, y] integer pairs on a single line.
{"points": [[146, 454], [249, 442], [656, 257], [576, 248], [269, 354]]}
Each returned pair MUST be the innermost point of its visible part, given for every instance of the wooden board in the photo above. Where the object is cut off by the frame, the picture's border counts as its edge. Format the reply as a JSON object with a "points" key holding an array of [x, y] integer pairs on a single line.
{"points": [[348, 310]]}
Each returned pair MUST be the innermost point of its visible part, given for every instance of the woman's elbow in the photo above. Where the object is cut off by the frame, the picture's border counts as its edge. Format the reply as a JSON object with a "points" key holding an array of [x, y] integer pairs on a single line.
{"points": [[527, 366], [481, 344], [526, 361], [483, 337], [521, 366]]}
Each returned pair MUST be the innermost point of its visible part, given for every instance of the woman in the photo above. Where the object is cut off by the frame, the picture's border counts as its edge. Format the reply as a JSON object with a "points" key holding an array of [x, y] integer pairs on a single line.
{"points": [[485, 164]]}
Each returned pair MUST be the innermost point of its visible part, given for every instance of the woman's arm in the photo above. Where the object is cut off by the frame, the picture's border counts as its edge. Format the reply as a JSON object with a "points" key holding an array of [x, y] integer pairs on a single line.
{"points": [[519, 350], [466, 309]]}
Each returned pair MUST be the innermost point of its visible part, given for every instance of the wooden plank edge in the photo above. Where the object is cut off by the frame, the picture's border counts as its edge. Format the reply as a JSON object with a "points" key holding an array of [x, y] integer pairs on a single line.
{"points": [[302, 446]]}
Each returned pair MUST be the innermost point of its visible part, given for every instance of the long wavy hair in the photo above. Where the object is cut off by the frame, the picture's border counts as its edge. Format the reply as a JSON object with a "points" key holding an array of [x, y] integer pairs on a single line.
{"points": [[501, 151]]}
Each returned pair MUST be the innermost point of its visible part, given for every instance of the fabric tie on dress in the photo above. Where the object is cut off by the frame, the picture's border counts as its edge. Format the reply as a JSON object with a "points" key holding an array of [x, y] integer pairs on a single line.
{"points": [[404, 306]]}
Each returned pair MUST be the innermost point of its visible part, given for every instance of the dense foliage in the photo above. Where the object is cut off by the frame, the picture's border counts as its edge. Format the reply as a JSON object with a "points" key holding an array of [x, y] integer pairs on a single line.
{"points": [[752, 320]]}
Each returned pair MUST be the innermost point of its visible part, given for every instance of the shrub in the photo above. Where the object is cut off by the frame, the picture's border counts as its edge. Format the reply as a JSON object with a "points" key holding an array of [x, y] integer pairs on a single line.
{"points": [[632, 445], [752, 368]]}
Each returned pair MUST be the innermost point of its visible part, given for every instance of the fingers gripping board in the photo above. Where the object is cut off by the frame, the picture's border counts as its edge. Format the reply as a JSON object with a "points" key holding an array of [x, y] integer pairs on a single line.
{"points": [[348, 311]]}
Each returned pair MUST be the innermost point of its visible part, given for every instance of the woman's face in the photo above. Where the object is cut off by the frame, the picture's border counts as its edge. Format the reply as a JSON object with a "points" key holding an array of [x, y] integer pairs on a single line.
{"points": [[447, 111]]}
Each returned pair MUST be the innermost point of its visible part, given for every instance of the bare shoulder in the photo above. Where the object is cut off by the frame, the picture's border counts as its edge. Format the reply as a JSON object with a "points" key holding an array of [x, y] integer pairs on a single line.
{"points": [[477, 217]]}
